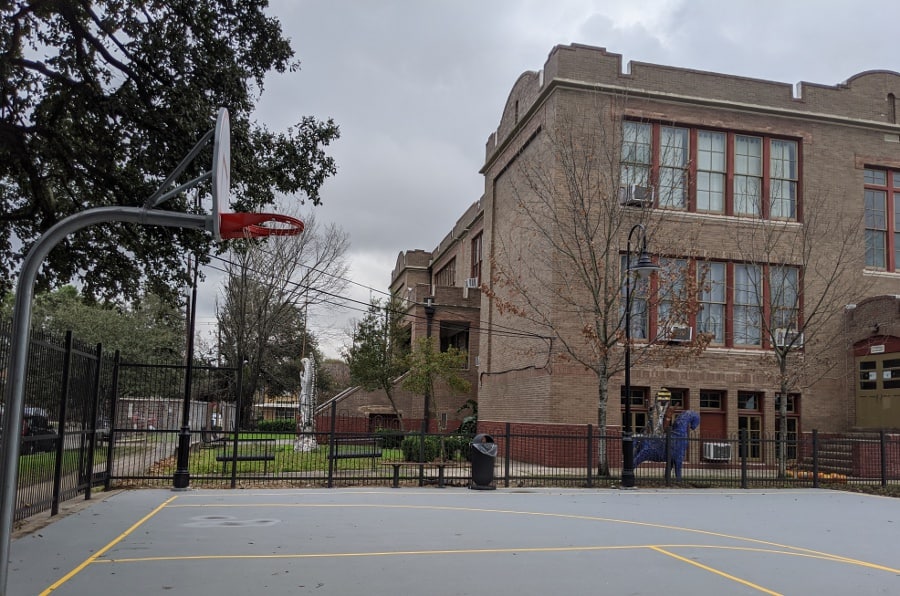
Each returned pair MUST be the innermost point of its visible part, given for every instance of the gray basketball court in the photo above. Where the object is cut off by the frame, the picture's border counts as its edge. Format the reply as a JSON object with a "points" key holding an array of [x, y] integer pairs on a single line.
{"points": [[458, 541]]}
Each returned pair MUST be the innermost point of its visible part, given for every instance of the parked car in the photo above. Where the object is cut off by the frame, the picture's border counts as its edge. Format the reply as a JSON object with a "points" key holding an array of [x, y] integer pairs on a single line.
{"points": [[37, 432], [104, 430]]}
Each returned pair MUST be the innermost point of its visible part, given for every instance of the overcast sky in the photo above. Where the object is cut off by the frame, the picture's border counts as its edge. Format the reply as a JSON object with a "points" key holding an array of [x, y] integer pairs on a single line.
{"points": [[416, 87]]}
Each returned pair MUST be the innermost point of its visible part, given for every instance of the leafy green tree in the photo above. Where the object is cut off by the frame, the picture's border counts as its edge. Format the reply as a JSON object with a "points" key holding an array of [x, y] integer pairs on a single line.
{"points": [[101, 99], [148, 331], [427, 365], [377, 354]]}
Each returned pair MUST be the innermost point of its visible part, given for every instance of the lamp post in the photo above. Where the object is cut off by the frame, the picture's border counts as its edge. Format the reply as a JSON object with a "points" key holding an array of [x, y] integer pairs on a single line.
{"points": [[644, 264], [429, 317], [181, 479]]}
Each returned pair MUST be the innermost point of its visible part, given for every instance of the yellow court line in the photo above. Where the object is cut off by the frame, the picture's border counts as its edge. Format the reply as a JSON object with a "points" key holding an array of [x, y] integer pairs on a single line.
{"points": [[535, 549], [105, 549], [545, 514], [716, 571]]}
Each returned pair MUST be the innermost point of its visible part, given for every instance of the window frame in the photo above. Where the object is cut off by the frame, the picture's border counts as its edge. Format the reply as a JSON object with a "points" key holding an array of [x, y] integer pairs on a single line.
{"points": [[643, 162], [881, 206]]}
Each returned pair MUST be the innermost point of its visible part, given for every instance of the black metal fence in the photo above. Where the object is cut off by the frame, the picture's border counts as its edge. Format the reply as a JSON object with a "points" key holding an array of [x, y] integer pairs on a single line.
{"points": [[117, 425], [333, 457], [67, 385]]}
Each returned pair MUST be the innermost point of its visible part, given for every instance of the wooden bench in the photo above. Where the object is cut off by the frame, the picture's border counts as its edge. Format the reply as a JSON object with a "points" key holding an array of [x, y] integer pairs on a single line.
{"points": [[252, 449], [441, 466], [355, 448]]}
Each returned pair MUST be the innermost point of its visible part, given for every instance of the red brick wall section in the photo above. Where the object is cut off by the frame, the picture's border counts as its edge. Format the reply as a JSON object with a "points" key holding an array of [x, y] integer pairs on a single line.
{"points": [[557, 445]]}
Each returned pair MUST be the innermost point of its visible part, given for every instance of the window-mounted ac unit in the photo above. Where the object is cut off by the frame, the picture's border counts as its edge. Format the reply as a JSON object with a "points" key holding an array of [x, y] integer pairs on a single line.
{"points": [[635, 195], [785, 337], [717, 451], [472, 282], [678, 334]]}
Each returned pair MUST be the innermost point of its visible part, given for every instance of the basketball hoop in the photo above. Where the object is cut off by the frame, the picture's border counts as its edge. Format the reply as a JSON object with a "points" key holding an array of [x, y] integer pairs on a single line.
{"points": [[227, 226], [249, 225]]}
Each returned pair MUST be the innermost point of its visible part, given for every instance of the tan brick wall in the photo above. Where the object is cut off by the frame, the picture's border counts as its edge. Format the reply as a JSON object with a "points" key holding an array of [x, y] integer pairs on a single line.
{"points": [[840, 128]]}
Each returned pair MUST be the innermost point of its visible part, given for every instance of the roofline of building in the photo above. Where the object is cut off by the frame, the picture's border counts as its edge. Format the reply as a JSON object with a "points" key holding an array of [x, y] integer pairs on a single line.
{"points": [[738, 106]]}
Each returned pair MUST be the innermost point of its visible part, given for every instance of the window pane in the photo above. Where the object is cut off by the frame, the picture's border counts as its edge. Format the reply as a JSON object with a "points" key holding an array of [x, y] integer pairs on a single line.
{"points": [[748, 155], [783, 159], [875, 249], [875, 177], [710, 192], [636, 153], [711, 151], [747, 194], [876, 214]]}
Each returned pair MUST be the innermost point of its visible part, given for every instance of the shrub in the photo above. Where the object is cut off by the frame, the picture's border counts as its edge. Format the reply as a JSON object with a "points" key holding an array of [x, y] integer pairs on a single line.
{"points": [[410, 447], [390, 438], [277, 426], [456, 447]]}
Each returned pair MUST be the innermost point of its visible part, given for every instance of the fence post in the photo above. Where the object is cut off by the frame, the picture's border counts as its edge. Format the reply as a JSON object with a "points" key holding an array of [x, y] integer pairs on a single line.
{"points": [[113, 416], [883, 458], [92, 441], [506, 455], [331, 444], [815, 470], [743, 448], [590, 455], [61, 425], [668, 456], [239, 422]]}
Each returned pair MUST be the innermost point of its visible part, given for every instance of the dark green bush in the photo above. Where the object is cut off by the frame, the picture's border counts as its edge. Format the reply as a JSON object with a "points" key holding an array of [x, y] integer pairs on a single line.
{"points": [[455, 447], [410, 448], [390, 438], [277, 426]]}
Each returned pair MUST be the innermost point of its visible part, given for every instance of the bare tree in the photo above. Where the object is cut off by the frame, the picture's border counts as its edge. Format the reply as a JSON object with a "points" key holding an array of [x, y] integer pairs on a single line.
{"points": [[270, 287], [796, 276], [558, 260]]}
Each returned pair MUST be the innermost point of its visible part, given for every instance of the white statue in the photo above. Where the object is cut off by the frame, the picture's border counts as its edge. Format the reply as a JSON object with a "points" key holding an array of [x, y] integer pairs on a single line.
{"points": [[306, 415]]}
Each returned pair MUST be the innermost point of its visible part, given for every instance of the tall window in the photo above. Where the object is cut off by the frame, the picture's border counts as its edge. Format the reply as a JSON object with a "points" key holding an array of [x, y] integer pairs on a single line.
{"points": [[877, 199], [784, 288], [711, 316], [673, 168], [747, 305], [476, 257], [710, 171], [748, 175], [636, 156], [446, 276], [783, 179]]}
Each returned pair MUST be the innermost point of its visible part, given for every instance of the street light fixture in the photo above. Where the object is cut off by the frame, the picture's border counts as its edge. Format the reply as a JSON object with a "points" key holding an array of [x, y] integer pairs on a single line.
{"points": [[643, 265]]}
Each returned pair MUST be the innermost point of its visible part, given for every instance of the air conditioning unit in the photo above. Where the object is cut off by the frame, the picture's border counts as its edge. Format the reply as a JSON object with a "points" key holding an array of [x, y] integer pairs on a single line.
{"points": [[717, 451], [634, 195], [678, 334], [472, 282], [785, 337]]}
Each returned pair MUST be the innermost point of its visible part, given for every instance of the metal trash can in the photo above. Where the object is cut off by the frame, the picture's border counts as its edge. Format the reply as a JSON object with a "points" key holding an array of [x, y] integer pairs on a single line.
{"points": [[482, 453]]}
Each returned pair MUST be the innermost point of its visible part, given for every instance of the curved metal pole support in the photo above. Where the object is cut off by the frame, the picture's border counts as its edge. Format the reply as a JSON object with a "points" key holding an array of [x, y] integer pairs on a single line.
{"points": [[15, 388]]}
